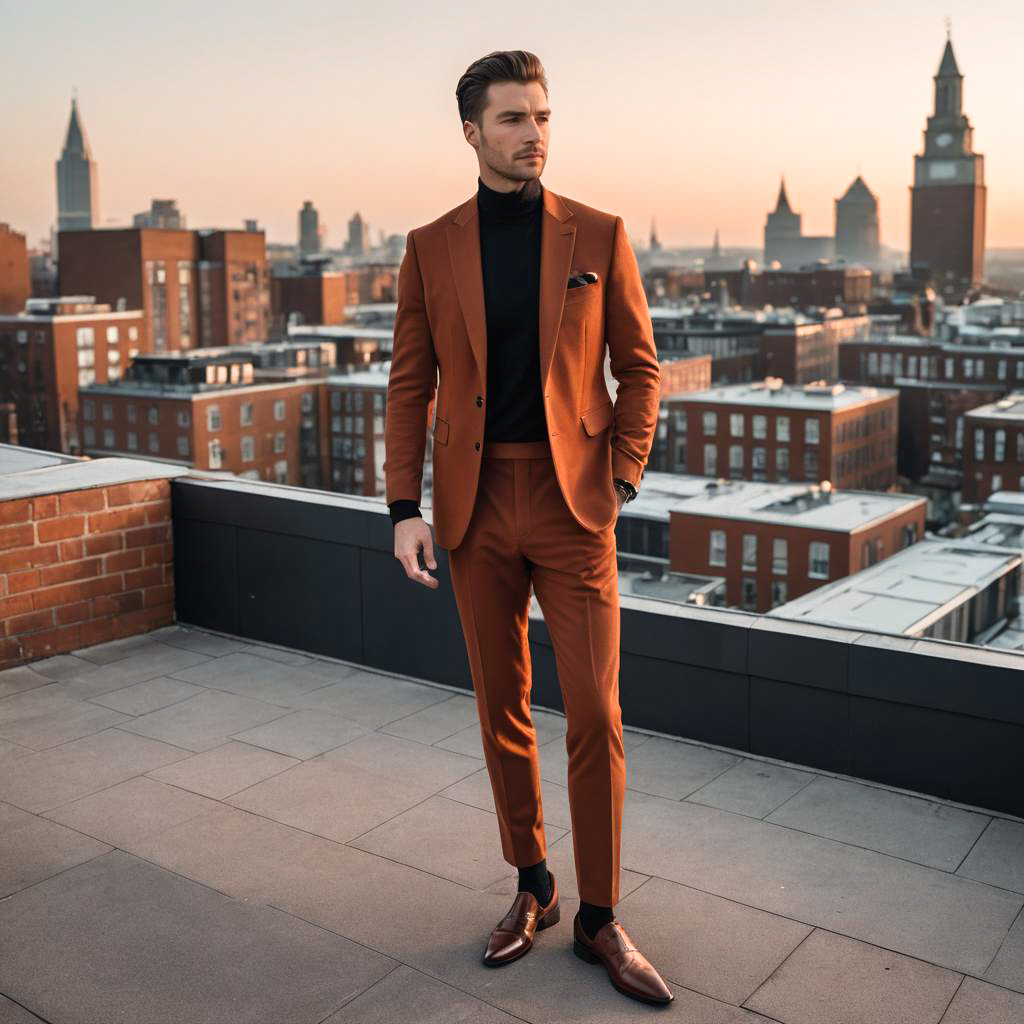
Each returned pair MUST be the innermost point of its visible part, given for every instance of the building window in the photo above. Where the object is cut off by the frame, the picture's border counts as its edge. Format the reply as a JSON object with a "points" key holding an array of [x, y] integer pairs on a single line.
{"points": [[710, 423], [307, 402], [735, 461], [716, 553], [130, 410], [279, 409], [979, 443], [811, 465], [281, 471], [999, 452], [154, 415], [780, 555], [90, 435], [279, 441], [108, 438], [133, 441], [782, 464], [248, 449], [818, 564], [778, 592], [781, 428], [1001, 369], [759, 426], [749, 598], [213, 417], [811, 427], [154, 441], [184, 417], [216, 454], [710, 460], [133, 334], [736, 424], [246, 414], [336, 401], [997, 481], [749, 551], [112, 335], [182, 444], [108, 411], [758, 463], [88, 409]]}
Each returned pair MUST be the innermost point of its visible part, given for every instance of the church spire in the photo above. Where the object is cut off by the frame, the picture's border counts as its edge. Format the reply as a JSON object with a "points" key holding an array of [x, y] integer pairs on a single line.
{"points": [[75, 141], [782, 205]]}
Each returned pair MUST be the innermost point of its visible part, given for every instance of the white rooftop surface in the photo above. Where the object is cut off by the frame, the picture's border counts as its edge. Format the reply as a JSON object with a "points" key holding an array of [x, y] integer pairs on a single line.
{"points": [[1010, 408], [907, 591], [830, 398], [792, 504], [1010, 502], [997, 528], [341, 331]]}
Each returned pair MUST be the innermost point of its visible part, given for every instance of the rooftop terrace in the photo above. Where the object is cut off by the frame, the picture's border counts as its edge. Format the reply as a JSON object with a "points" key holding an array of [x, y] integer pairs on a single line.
{"points": [[200, 828]]}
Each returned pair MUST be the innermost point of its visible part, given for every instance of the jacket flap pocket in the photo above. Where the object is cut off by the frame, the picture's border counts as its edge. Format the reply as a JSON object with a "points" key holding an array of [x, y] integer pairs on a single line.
{"points": [[440, 430], [596, 419]]}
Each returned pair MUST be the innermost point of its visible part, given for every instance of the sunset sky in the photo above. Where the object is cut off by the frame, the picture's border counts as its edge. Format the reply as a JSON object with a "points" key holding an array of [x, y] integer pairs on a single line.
{"points": [[688, 112]]}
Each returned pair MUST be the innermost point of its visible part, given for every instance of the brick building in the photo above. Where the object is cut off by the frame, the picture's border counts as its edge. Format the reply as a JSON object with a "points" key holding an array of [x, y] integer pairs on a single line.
{"points": [[15, 279], [197, 289], [207, 410], [772, 543], [994, 448], [771, 431], [50, 351]]}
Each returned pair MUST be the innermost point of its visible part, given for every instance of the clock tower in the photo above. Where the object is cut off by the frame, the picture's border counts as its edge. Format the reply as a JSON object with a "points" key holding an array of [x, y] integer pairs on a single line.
{"points": [[947, 199]]}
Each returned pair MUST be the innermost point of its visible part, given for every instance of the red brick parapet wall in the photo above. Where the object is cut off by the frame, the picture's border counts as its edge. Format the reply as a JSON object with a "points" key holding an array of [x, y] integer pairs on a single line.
{"points": [[84, 566]]}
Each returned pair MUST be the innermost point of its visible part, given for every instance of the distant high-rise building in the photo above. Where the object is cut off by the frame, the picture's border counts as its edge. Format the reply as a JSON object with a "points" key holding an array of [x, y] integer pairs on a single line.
{"points": [[309, 229], [857, 225], [783, 240], [162, 213], [358, 236], [947, 199], [77, 185]]}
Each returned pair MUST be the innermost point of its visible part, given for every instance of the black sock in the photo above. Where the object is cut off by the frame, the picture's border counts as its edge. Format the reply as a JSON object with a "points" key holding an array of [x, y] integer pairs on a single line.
{"points": [[593, 917], [536, 879]]}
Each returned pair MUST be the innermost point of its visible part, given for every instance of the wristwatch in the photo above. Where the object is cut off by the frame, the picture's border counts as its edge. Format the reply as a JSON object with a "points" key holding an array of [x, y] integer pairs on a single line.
{"points": [[626, 487]]}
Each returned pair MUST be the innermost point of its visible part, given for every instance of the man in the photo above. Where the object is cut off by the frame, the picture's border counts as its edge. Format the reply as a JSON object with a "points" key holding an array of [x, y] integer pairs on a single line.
{"points": [[516, 296]]}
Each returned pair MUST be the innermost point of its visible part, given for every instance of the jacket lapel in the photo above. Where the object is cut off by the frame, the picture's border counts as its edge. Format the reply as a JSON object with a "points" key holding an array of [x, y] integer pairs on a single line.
{"points": [[557, 241]]}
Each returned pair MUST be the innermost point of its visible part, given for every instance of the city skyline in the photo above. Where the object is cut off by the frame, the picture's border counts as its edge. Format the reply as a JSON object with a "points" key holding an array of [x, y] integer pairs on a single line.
{"points": [[861, 111]]}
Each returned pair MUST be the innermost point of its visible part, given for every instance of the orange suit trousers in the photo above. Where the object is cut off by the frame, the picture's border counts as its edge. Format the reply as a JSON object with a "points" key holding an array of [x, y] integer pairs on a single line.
{"points": [[521, 533]]}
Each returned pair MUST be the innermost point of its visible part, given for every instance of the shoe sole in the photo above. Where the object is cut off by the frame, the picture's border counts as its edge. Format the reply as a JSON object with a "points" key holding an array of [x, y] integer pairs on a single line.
{"points": [[553, 916], [592, 958]]}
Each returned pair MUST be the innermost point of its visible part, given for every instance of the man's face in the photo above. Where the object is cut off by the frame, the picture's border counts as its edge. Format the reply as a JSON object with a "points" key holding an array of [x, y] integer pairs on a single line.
{"points": [[514, 128]]}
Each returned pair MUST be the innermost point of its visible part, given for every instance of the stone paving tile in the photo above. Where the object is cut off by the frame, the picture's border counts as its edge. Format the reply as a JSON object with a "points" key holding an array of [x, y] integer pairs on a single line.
{"points": [[20, 678], [915, 828], [998, 856], [423, 838], [751, 787], [44, 780], [93, 680], [197, 640], [302, 734], [831, 979], [36, 849], [30, 703], [204, 721], [171, 951], [9, 751], [436, 722], [703, 942], [115, 650], [222, 771], [12, 1013], [61, 666], [130, 810], [1007, 967], [152, 695], [976, 1002], [249, 675], [57, 725], [935, 916], [410, 995], [283, 657], [11, 817], [372, 699]]}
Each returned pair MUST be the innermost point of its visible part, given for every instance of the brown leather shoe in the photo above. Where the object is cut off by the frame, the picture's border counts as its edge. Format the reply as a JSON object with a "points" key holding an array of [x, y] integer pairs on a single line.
{"points": [[628, 969], [513, 935]]}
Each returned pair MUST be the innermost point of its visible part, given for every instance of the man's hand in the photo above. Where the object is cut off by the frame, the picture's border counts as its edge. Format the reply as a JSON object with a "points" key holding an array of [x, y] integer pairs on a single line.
{"points": [[411, 535]]}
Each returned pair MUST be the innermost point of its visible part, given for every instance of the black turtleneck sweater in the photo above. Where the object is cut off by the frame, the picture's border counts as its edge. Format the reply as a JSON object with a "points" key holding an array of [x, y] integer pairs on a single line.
{"points": [[510, 227]]}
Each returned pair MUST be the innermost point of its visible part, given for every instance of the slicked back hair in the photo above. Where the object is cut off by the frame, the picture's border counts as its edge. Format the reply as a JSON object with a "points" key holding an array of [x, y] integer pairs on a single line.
{"points": [[500, 66]]}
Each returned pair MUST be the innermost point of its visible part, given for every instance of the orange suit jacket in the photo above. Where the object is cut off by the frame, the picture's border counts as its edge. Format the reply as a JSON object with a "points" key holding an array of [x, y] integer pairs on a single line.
{"points": [[440, 332]]}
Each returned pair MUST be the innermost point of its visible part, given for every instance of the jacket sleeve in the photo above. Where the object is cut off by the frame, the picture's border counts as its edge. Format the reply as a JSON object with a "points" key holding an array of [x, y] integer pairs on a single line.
{"points": [[634, 362], [412, 384]]}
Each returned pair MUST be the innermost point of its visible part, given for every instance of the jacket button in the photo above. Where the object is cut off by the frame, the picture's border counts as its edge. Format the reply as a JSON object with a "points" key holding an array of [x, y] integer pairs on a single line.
{"points": [[479, 400], [477, 446]]}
